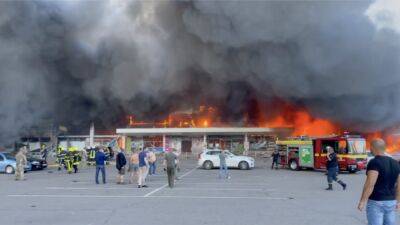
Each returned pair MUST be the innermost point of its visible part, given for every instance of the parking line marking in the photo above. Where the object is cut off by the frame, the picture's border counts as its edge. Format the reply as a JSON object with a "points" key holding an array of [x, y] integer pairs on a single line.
{"points": [[77, 196], [176, 188], [228, 182], [219, 197], [165, 185], [154, 191], [88, 188], [138, 196], [222, 183], [223, 189]]}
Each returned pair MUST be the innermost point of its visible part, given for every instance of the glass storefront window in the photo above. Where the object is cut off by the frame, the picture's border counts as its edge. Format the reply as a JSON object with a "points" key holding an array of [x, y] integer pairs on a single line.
{"points": [[261, 142]]}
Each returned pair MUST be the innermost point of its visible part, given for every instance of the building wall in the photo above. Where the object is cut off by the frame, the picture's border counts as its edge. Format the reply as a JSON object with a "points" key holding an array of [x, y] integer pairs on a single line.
{"points": [[174, 143], [234, 143], [136, 143], [197, 145], [82, 143]]}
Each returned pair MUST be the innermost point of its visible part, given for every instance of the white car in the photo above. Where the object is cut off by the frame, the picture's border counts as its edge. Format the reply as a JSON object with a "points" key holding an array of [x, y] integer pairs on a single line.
{"points": [[209, 159]]}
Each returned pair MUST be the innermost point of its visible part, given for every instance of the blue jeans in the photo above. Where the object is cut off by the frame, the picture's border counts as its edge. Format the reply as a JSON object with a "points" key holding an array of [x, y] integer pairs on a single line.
{"points": [[223, 171], [103, 173], [332, 174], [152, 168], [381, 212]]}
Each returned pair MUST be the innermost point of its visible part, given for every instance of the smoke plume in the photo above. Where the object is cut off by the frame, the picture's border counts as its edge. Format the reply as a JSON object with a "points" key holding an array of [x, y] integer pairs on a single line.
{"points": [[72, 62]]}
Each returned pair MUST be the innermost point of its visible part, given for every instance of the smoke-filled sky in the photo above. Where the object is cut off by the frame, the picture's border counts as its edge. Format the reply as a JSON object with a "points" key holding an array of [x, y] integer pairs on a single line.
{"points": [[73, 62]]}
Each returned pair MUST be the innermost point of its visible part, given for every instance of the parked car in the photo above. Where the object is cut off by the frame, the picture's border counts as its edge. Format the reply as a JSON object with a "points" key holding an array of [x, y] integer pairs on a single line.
{"points": [[209, 159], [8, 164], [37, 164]]}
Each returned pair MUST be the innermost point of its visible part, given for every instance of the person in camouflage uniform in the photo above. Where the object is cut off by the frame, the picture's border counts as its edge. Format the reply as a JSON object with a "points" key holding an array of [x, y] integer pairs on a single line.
{"points": [[21, 163]]}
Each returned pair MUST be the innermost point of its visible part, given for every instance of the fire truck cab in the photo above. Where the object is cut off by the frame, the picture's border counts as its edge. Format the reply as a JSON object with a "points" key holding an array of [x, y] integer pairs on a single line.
{"points": [[304, 152]]}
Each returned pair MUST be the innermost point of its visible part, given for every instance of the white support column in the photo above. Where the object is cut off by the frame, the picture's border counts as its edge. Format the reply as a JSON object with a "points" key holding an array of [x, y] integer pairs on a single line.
{"points": [[246, 144], [123, 142], [91, 135], [164, 142], [205, 141]]}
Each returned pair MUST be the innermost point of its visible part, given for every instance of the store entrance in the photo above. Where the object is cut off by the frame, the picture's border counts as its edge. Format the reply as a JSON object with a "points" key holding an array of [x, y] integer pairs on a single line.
{"points": [[186, 146]]}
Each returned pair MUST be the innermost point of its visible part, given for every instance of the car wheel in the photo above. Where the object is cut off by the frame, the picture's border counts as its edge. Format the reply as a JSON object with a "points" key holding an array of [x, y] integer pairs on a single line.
{"points": [[208, 165], [294, 165], [9, 170], [243, 165]]}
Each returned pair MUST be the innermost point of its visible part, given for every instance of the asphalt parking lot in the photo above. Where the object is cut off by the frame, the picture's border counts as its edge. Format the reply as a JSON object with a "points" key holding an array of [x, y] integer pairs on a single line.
{"points": [[258, 196]]}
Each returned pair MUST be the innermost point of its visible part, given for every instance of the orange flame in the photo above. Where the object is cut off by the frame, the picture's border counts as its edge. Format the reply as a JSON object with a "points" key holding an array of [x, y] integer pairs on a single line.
{"points": [[205, 123], [304, 124], [392, 141], [289, 116], [203, 117]]}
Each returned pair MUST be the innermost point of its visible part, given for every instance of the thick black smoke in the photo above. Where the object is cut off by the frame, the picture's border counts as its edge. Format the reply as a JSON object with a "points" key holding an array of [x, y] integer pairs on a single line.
{"points": [[72, 62]]}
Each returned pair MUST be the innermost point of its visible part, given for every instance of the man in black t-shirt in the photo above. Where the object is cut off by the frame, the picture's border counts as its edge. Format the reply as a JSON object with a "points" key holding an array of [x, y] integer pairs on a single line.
{"points": [[381, 193], [332, 168]]}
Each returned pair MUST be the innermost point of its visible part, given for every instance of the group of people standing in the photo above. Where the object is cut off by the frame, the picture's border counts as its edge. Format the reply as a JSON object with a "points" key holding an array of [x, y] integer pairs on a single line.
{"points": [[139, 165]]}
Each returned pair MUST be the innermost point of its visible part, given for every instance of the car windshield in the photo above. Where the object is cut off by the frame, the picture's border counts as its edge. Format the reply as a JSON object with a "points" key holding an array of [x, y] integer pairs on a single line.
{"points": [[9, 156]]}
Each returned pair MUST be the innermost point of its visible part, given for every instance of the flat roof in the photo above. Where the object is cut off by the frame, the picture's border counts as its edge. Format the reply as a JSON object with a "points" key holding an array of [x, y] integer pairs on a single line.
{"points": [[202, 131]]}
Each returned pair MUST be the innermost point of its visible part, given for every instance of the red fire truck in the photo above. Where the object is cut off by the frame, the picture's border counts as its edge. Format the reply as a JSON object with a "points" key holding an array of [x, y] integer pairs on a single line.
{"points": [[305, 152]]}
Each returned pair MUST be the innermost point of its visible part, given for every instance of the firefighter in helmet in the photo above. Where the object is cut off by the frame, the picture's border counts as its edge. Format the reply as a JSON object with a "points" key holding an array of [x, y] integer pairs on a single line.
{"points": [[74, 159], [68, 161], [60, 157], [92, 154]]}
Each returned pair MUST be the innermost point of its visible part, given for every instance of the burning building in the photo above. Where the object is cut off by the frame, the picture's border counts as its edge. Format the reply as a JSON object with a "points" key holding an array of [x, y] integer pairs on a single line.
{"points": [[192, 131], [318, 67]]}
